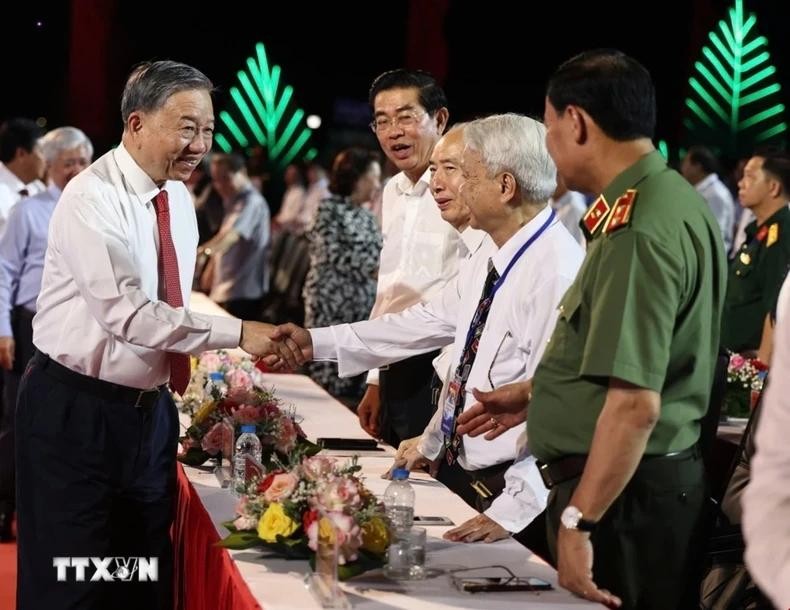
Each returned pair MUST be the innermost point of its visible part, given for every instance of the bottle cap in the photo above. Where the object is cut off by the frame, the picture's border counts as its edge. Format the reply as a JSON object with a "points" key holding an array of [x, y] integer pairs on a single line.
{"points": [[400, 474], [248, 428]]}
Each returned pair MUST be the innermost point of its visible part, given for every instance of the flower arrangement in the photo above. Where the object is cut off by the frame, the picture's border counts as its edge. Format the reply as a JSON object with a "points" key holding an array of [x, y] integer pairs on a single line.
{"points": [[289, 511], [745, 379], [226, 392]]}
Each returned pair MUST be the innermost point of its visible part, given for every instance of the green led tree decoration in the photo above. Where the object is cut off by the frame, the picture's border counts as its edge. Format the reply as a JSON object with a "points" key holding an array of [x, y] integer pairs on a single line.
{"points": [[259, 113], [734, 104]]}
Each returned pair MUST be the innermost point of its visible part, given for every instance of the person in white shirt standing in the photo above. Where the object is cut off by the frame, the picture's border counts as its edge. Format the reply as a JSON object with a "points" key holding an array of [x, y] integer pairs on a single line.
{"points": [[67, 151], [766, 500], [21, 164], [699, 167], [96, 428], [420, 250], [498, 314]]}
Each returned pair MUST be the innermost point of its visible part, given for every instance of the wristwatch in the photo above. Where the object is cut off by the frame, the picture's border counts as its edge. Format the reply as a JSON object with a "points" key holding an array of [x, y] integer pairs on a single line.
{"points": [[571, 519]]}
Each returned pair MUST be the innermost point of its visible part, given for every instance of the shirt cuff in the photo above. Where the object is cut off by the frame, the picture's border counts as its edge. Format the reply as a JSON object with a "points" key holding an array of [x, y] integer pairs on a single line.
{"points": [[373, 377], [324, 347], [523, 498], [225, 333], [5, 325]]}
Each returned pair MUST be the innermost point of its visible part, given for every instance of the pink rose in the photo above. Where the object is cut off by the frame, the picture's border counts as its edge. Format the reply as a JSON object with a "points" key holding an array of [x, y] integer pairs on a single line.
{"points": [[210, 361], [239, 379], [286, 439], [245, 522], [217, 440], [240, 395], [347, 531], [281, 487], [317, 467], [737, 361], [339, 494], [247, 414]]}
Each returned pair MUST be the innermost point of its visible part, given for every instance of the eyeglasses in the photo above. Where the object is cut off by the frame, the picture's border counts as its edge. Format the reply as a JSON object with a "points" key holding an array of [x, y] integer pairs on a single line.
{"points": [[403, 120]]}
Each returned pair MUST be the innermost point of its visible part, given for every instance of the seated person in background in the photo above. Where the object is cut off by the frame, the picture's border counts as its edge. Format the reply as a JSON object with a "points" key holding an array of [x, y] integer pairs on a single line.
{"points": [[759, 267], [345, 242], [497, 313], [236, 275]]}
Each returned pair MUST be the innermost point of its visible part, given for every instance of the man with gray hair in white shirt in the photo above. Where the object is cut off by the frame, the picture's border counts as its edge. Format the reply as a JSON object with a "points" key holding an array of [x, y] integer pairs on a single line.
{"points": [[497, 314], [96, 427]]}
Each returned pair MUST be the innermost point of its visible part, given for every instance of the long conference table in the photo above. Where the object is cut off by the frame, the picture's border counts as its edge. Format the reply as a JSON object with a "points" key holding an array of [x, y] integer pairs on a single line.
{"points": [[213, 578]]}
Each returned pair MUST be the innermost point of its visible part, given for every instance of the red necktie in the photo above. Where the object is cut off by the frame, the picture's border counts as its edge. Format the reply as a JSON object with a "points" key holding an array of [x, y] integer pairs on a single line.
{"points": [[170, 284]]}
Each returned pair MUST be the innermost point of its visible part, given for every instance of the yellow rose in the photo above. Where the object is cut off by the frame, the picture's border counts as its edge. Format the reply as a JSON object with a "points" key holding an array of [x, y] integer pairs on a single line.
{"points": [[275, 522], [375, 536], [203, 412]]}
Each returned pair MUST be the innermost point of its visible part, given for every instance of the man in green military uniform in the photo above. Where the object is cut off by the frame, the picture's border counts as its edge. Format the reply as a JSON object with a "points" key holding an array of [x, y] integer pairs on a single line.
{"points": [[615, 405], [760, 266]]}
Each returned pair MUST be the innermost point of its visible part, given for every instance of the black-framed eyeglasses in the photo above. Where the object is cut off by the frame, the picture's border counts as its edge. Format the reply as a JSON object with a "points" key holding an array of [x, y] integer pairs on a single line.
{"points": [[487, 579]]}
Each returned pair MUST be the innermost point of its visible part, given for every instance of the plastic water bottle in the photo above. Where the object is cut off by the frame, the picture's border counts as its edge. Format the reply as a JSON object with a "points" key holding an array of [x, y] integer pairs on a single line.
{"points": [[247, 444], [216, 386], [399, 502]]}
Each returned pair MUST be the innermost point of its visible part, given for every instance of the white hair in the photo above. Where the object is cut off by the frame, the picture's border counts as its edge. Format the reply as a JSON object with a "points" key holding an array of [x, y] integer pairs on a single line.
{"points": [[516, 144], [63, 138]]}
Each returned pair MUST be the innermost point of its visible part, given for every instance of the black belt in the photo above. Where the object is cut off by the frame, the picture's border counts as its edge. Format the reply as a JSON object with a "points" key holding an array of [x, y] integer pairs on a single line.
{"points": [[572, 466], [480, 478], [141, 399]]}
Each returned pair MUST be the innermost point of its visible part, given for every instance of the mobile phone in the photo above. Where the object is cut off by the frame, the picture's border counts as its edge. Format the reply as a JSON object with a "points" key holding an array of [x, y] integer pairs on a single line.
{"points": [[432, 520], [349, 444], [505, 583]]}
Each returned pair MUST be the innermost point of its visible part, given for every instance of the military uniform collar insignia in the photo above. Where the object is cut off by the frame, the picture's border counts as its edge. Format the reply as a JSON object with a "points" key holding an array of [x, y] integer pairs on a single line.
{"points": [[594, 216], [621, 212]]}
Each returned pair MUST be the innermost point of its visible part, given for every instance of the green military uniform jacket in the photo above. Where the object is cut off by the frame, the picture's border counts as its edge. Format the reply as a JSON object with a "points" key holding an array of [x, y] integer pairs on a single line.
{"points": [[645, 308], [756, 276]]}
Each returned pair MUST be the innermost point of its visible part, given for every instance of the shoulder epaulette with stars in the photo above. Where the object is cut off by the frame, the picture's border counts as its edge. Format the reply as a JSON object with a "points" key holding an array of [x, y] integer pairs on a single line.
{"points": [[620, 215], [594, 216]]}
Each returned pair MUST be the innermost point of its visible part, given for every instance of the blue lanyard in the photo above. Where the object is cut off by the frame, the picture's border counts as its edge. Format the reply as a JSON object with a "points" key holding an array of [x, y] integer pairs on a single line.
{"points": [[513, 261]]}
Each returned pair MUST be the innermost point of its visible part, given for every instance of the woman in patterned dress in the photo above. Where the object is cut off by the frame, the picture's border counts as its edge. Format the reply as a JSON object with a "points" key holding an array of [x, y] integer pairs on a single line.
{"points": [[344, 257]]}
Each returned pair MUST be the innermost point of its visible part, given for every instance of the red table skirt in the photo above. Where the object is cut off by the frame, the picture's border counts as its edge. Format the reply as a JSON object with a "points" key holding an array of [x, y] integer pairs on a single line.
{"points": [[206, 577]]}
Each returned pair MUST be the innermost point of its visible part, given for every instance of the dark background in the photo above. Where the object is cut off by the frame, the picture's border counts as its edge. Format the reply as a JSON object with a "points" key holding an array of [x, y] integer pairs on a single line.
{"points": [[491, 56]]}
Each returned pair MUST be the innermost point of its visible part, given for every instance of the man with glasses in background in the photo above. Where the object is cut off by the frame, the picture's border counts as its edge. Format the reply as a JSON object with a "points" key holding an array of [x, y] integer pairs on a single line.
{"points": [[420, 251]]}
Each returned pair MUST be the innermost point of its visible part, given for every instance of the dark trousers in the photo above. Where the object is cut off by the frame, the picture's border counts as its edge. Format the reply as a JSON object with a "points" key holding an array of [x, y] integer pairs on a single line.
{"points": [[95, 478], [406, 394], [647, 546], [245, 309], [22, 328]]}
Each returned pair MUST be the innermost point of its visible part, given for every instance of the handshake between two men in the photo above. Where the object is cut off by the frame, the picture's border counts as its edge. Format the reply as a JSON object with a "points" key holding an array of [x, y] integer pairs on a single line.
{"points": [[288, 346]]}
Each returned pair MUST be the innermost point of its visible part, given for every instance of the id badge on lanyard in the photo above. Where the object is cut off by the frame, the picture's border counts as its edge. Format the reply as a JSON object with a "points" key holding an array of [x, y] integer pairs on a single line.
{"points": [[450, 403]]}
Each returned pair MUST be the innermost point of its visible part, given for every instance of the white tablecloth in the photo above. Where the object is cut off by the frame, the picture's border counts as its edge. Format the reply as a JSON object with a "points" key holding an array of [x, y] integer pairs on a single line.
{"points": [[278, 584]]}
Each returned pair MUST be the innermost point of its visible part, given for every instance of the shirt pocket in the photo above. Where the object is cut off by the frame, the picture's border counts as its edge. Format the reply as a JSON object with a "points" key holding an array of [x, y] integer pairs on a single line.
{"points": [[565, 338], [506, 363]]}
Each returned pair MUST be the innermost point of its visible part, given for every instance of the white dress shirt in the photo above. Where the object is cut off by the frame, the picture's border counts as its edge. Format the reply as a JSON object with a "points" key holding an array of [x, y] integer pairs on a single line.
{"points": [[721, 203], [766, 500], [99, 311], [570, 207], [419, 255], [291, 208], [10, 187], [519, 324], [316, 193]]}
